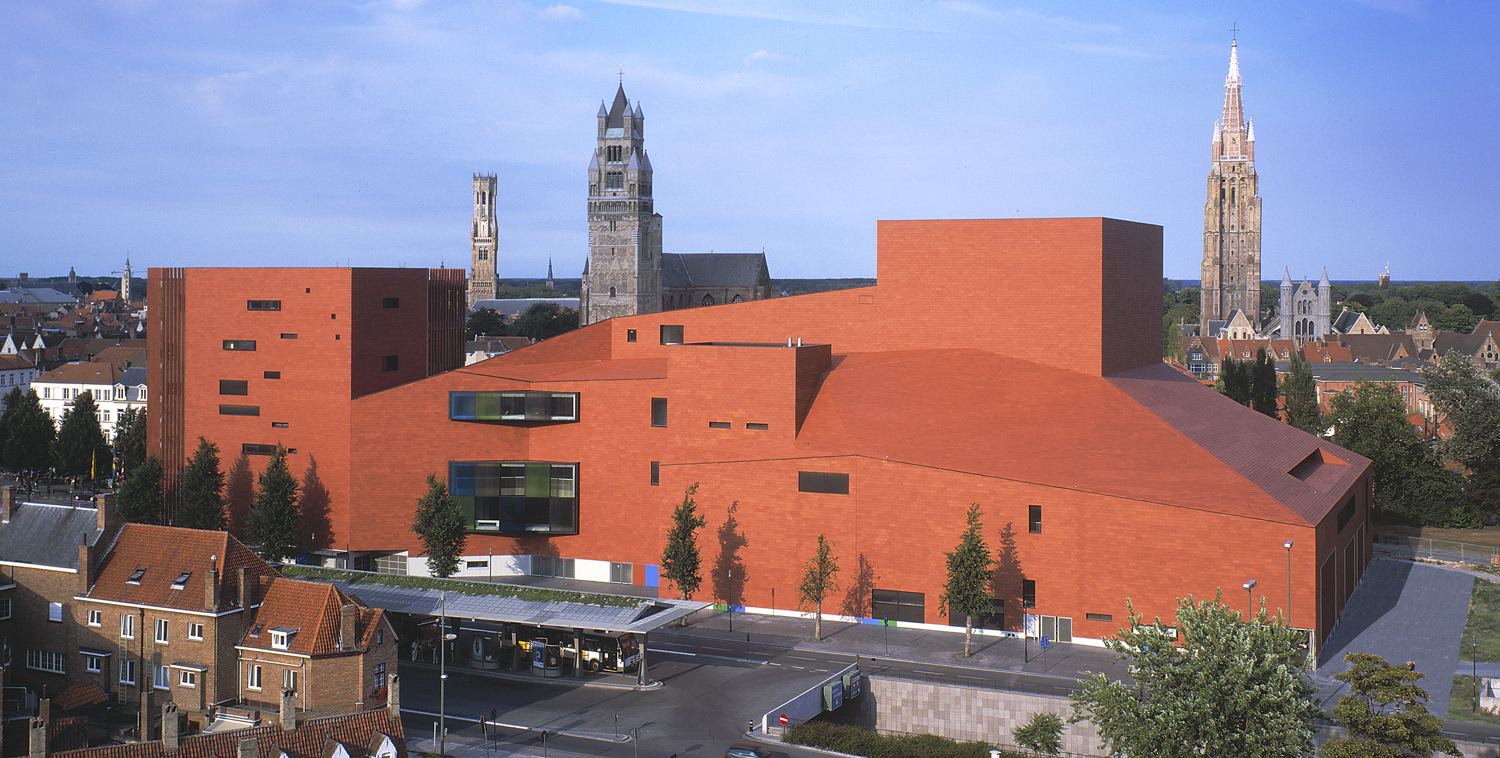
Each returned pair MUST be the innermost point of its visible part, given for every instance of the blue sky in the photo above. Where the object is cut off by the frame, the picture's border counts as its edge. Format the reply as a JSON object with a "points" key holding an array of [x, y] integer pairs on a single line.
{"points": [[239, 132]]}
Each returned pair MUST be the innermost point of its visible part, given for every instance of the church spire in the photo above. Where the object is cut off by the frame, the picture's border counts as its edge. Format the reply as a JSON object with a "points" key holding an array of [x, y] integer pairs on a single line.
{"points": [[1237, 138]]}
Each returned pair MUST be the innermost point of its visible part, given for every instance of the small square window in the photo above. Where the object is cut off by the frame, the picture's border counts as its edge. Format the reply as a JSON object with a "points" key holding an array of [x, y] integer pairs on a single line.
{"points": [[54, 611], [188, 678], [96, 618], [94, 664], [630, 335], [390, 362], [195, 631], [390, 302], [279, 640]]}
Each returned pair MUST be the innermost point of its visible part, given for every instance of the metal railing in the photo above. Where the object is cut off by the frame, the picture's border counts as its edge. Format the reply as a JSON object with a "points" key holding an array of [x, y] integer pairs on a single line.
{"points": [[1442, 550]]}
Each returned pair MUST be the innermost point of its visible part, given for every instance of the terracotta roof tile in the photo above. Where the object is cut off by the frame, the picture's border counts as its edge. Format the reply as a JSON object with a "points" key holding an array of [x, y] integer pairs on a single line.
{"points": [[314, 610], [166, 552], [356, 731]]}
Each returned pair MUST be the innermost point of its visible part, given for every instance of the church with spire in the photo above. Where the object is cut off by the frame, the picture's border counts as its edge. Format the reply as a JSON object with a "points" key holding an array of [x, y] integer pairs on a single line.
{"points": [[1231, 216]]}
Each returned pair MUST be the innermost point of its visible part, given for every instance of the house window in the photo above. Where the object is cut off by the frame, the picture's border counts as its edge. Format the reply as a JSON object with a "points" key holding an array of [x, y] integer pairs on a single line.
{"points": [[1028, 593], [614, 180], [161, 631], [289, 335], [718, 425], [379, 675], [54, 611], [630, 335], [252, 677], [273, 375], [94, 664], [195, 631], [243, 345], [45, 660], [127, 672], [239, 410], [379, 637], [262, 305], [188, 678], [104, 416], [658, 411], [390, 302], [234, 387], [4, 608], [513, 406], [896, 605], [671, 334], [756, 427], [161, 676], [127, 626], [96, 618], [655, 473], [390, 362], [517, 496], [279, 639], [1099, 616], [289, 679], [280, 425], [1034, 519], [250, 448], [825, 482]]}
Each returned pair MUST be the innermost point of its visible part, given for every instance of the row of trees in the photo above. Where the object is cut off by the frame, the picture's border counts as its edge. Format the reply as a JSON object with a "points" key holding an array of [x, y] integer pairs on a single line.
{"points": [[1452, 306], [538, 322], [32, 445]]}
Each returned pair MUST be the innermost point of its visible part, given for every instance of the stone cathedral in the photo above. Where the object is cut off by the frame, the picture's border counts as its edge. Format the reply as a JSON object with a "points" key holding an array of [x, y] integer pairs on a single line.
{"points": [[626, 272], [1231, 217]]}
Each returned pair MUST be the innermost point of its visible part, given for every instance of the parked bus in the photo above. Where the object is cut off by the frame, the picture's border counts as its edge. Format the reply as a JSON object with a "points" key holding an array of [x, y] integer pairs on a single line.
{"points": [[493, 645]]}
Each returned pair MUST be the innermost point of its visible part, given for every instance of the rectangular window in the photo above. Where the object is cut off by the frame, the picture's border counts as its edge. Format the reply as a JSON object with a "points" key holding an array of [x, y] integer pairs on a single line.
{"points": [[630, 335], [54, 611], [622, 573], [4, 608], [273, 375], [1099, 616], [161, 676], [1346, 513], [655, 473], [658, 411], [718, 425], [45, 660], [547, 565], [127, 672], [379, 674], [289, 335], [390, 362], [94, 664], [249, 448], [161, 631], [239, 410], [127, 626], [517, 496], [1028, 593], [289, 679], [188, 678], [826, 482], [245, 345], [671, 334], [513, 406], [380, 634], [252, 677], [262, 305], [195, 631], [96, 618], [477, 564], [1034, 519], [234, 387], [279, 425], [757, 427], [390, 302], [896, 605], [279, 639]]}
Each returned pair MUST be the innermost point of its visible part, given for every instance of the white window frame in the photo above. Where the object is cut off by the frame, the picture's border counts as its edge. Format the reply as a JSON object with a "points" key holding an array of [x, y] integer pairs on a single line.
{"points": [[127, 626], [195, 631], [4, 608], [54, 612], [289, 679], [160, 635], [252, 677], [46, 660], [161, 677], [127, 671], [187, 678], [94, 664], [280, 640], [96, 617]]}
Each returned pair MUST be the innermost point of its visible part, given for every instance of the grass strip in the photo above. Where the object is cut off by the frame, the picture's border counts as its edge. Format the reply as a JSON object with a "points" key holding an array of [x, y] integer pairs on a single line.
{"points": [[530, 594], [1461, 702]]}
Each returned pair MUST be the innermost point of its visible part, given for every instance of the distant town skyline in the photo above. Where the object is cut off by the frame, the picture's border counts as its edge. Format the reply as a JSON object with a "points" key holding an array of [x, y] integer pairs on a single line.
{"points": [[344, 134]]}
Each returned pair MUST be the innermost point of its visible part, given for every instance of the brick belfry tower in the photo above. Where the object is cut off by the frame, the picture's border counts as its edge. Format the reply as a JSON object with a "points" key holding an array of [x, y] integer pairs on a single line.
{"points": [[484, 235], [623, 274], [1231, 217]]}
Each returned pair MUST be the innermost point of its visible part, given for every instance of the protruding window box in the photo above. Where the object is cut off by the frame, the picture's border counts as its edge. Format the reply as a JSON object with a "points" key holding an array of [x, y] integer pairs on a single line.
{"points": [[516, 496], [513, 406]]}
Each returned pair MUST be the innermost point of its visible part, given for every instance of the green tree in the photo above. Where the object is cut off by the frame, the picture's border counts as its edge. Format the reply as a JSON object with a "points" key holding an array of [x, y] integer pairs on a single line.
{"points": [[1171, 338], [485, 321], [819, 580], [970, 569], [28, 443], [1384, 713], [1457, 318], [1469, 401], [130, 438], [1370, 419], [440, 523], [1263, 389], [544, 320], [8, 408], [80, 449], [680, 560], [1480, 304], [275, 518], [1041, 734], [200, 490], [1234, 381], [1234, 686], [141, 499], [1301, 393]]}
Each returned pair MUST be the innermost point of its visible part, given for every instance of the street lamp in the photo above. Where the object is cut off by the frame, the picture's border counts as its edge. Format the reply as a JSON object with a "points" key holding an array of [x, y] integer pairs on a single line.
{"points": [[444, 638], [1288, 546], [1249, 598]]}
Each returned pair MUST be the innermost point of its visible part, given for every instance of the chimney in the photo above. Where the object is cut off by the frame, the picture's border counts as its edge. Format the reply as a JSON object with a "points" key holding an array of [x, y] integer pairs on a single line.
{"points": [[144, 727], [44, 708], [393, 695], [38, 739], [288, 709], [169, 726], [211, 586], [247, 593], [7, 502], [85, 564], [105, 502], [346, 626], [249, 748]]}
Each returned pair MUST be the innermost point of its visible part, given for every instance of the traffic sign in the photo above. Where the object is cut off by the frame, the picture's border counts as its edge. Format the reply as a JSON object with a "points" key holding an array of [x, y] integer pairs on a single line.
{"points": [[784, 720], [1046, 643]]}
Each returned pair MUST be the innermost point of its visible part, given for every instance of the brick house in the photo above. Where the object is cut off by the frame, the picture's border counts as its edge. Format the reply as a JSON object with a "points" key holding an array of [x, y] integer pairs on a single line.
{"points": [[326, 646]]}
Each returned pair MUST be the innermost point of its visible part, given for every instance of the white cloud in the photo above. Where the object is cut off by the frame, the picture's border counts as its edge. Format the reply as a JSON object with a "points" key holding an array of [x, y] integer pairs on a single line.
{"points": [[560, 12], [762, 55]]}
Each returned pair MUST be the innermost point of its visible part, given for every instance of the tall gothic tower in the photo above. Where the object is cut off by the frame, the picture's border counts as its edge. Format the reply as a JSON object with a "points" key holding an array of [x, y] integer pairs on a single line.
{"points": [[483, 236], [1231, 217], [623, 274]]}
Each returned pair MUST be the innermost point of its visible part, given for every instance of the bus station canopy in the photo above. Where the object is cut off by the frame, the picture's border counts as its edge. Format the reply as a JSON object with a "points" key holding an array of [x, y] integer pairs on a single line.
{"points": [[642, 617]]}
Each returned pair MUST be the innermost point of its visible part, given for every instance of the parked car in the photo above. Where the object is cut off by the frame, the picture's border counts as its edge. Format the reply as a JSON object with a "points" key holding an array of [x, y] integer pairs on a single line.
{"points": [[746, 750]]}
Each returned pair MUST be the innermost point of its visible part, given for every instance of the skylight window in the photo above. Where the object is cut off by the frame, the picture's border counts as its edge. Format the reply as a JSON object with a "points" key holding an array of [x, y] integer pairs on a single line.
{"points": [[135, 576], [181, 581]]}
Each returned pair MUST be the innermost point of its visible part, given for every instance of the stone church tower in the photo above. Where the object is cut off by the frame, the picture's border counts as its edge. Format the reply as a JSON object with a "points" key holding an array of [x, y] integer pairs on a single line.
{"points": [[1231, 217], [483, 236], [623, 274]]}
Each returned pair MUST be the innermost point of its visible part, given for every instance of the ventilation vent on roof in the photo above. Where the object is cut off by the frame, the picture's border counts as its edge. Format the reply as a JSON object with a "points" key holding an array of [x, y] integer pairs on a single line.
{"points": [[1308, 466], [135, 576], [181, 580]]}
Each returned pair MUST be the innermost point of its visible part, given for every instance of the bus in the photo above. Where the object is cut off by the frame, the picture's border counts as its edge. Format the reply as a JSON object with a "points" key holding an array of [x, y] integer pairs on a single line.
{"points": [[494, 645]]}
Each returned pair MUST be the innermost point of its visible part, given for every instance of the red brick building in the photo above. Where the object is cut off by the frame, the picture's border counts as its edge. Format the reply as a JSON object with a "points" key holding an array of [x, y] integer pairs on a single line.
{"points": [[875, 416]]}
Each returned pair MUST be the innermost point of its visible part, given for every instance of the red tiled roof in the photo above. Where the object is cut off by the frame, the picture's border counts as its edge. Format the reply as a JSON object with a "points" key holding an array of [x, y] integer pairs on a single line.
{"points": [[165, 552], [314, 610], [356, 731], [81, 373]]}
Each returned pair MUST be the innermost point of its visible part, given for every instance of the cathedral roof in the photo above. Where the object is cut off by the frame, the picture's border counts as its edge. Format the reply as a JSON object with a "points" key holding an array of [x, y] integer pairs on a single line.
{"points": [[594, 161], [602, 112], [617, 112], [638, 113], [713, 269], [635, 161]]}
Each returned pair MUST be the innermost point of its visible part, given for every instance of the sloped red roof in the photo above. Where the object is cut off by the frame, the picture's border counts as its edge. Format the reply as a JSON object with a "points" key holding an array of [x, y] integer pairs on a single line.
{"points": [[572, 371], [314, 610], [165, 552], [356, 731]]}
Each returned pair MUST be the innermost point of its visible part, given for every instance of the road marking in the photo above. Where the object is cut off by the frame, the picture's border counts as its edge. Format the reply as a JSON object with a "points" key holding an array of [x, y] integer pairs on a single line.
{"points": [[673, 652], [800, 658], [929, 673]]}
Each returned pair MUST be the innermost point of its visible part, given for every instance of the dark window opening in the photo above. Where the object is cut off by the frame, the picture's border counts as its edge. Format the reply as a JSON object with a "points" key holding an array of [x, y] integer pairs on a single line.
{"points": [[895, 605], [757, 427], [630, 335], [288, 336], [825, 482], [1346, 513], [234, 387], [273, 374], [516, 496], [262, 305], [390, 302], [655, 473], [671, 334], [658, 411], [1099, 616], [1034, 519], [239, 410], [245, 345], [513, 406], [718, 425], [390, 362], [279, 425], [252, 449], [1028, 593]]}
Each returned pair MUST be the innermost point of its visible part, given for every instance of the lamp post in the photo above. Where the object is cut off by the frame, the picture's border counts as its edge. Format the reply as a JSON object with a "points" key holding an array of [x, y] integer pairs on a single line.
{"points": [[1249, 599], [1288, 546], [444, 638]]}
